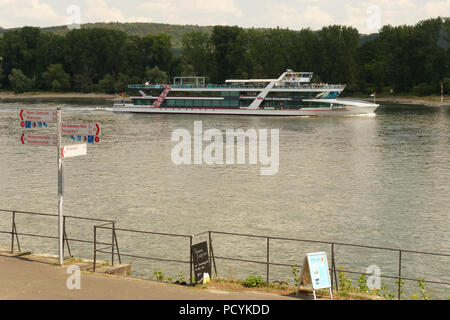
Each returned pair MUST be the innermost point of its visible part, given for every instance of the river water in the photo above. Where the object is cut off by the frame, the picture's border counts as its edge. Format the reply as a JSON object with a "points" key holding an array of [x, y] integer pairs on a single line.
{"points": [[379, 180]]}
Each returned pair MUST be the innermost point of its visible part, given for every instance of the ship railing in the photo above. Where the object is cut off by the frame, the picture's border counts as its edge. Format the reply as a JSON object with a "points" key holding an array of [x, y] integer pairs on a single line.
{"points": [[211, 86]]}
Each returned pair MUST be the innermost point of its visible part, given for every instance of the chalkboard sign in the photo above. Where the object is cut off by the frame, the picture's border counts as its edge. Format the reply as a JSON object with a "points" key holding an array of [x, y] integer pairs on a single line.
{"points": [[200, 258]]}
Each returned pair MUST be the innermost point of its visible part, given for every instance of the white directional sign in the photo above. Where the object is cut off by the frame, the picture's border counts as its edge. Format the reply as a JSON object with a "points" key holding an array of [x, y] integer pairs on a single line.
{"points": [[81, 129], [38, 115], [73, 150], [35, 139]]}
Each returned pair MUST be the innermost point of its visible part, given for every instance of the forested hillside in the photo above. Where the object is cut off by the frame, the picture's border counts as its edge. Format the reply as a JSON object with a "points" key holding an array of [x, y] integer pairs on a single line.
{"points": [[404, 59]]}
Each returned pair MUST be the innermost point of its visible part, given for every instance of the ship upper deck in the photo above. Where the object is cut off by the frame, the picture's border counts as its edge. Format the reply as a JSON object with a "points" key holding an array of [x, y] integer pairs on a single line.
{"points": [[241, 87]]}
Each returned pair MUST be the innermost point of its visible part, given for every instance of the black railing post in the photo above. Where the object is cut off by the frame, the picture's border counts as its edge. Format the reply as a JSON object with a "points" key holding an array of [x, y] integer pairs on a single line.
{"points": [[65, 239], [12, 231], [190, 260], [112, 242], [212, 254], [117, 247], [268, 260], [333, 265], [95, 247], [399, 274]]}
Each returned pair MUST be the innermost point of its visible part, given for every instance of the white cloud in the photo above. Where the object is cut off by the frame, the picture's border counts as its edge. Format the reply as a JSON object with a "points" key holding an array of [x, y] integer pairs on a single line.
{"points": [[296, 17], [210, 12], [99, 11], [14, 13]]}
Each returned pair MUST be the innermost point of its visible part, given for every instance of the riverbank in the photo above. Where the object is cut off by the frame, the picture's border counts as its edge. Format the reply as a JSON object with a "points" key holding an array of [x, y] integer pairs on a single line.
{"points": [[34, 277], [40, 277]]}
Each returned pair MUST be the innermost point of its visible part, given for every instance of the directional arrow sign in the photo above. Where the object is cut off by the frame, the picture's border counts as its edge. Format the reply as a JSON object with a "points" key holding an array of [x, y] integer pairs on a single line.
{"points": [[80, 129], [38, 115], [73, 150], [35, 139]]}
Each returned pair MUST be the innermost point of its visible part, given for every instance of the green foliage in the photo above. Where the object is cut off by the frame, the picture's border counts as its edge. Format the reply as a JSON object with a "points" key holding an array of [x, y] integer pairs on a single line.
{"points": [[106, 85], [158, 275], [19, 81], [345, 284], [56, 78], [423, 289], [1, 75], [402, 287], [385, 292], [363, 284], [296, 274], [180, 277], [253, 282], [155, 75], [446, 83]]}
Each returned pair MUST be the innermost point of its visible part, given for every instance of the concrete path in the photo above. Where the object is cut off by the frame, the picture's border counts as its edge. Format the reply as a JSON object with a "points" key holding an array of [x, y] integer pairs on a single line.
{"points": [[30, 279]]}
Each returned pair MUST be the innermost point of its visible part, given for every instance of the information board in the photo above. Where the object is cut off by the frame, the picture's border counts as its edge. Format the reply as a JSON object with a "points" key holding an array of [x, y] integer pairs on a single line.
{"points": [[200, 257], [315, 271]]}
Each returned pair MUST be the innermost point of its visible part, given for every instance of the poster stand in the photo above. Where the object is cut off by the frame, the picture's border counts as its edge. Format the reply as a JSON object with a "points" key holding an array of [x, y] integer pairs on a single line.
{"points": [[316, 272]]}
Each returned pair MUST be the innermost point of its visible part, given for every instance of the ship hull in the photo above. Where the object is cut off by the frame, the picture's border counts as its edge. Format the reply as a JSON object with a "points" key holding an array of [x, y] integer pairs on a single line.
{"points": [[306, 112]]}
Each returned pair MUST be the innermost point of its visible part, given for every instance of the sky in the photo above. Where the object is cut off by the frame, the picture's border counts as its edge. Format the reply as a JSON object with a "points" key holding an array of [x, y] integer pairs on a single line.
{"points": [[365, 15]]}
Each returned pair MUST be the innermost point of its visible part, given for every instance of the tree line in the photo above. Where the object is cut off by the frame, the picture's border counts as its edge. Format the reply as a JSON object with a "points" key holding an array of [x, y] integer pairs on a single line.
{"points": [[402, 59]]}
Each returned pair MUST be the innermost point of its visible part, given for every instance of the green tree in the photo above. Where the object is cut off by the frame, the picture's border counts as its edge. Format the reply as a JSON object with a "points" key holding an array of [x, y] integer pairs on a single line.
{"points": [[19, 81], [155, 75], [1, 75], [55, 78], [106, 85], [198, 52], [228, 52]]}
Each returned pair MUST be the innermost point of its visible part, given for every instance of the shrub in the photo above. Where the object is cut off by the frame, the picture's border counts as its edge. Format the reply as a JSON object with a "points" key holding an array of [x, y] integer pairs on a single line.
{"points": [[253, 281]]}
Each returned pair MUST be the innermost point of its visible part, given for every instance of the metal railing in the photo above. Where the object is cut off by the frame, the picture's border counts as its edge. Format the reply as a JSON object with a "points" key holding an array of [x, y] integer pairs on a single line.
{"points": [[114, 244], [66, 240], [114, 248], [333, 269]]}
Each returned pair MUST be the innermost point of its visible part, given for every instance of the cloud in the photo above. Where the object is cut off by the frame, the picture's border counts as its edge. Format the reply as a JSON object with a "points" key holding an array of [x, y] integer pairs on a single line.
{"points": [[15, 13], [296, 16], [210, 12], [395, 13], [99, 11]]}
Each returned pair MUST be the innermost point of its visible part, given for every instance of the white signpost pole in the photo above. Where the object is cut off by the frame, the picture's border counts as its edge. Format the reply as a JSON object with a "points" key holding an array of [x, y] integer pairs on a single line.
{"points": [[60, 189]]}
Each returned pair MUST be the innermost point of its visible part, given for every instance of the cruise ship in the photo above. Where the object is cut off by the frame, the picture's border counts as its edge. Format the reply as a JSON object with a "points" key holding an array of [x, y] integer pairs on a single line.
{"points": [[292, 94]]}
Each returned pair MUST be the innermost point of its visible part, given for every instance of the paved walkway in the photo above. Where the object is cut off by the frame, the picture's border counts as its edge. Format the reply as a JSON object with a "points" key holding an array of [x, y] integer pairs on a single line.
{"points": [[30, 279]]}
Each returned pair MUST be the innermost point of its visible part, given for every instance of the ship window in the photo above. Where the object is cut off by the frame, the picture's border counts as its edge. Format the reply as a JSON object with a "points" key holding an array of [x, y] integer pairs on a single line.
{"points": [[170, 103], [207, 103], [216, 103], [189, 103], [180, 103]]}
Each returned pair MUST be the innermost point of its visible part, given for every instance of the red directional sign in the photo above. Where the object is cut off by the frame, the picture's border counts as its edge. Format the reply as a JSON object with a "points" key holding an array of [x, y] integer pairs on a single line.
{"points": [[81, 129], [73, 150], [35, 139], [38, 115]]}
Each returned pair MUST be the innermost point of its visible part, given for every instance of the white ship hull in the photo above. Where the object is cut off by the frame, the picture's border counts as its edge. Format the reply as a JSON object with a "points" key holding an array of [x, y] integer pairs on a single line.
{"points": [[350, 108]]}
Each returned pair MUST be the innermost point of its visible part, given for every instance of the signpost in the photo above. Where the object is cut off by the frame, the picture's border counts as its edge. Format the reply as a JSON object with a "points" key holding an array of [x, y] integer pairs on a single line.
{"points": [[37, 119], [315, 271], [82, 129], [73, 150], [35, 139], [202, 268], [38, 115], [82, 132]]}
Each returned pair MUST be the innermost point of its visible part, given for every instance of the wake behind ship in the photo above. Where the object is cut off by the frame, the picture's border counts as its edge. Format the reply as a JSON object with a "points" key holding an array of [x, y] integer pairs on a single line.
{"points": [[292, 94]]}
